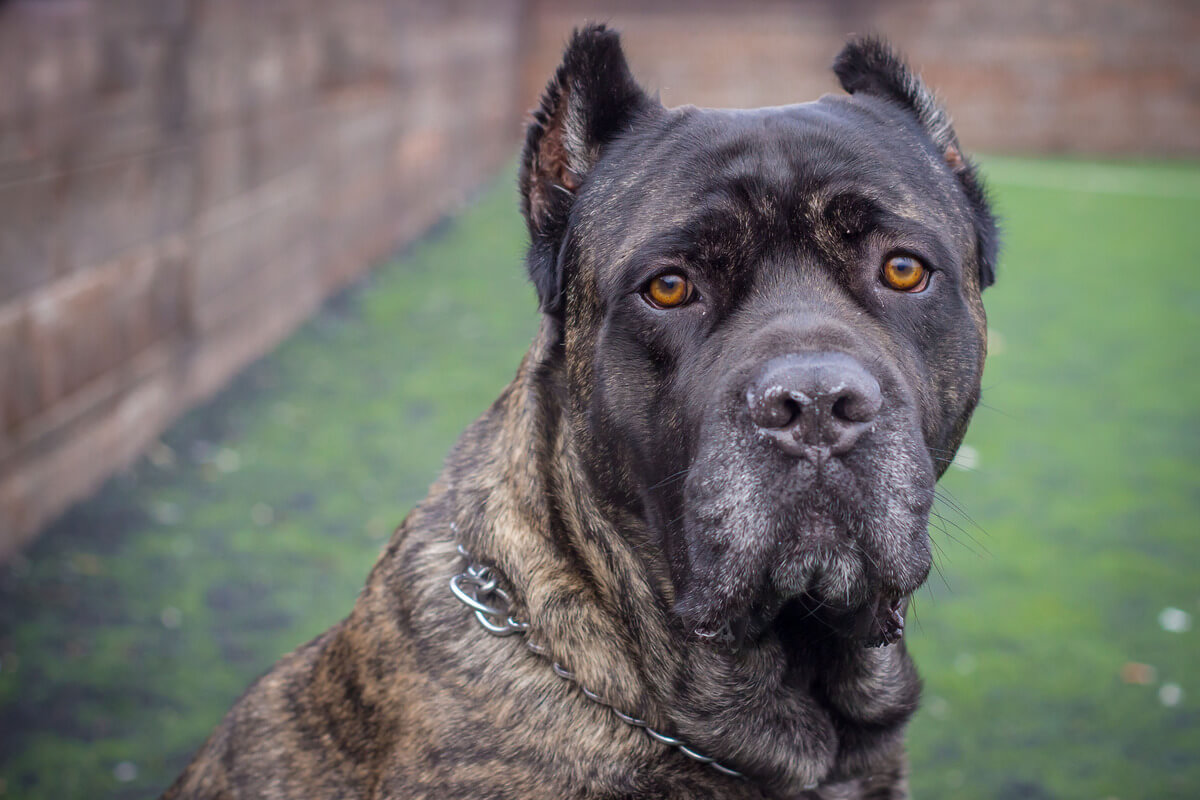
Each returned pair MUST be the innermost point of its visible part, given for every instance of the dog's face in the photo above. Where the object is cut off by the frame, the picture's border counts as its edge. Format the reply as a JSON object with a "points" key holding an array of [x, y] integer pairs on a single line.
{"points": [[771, 325]]}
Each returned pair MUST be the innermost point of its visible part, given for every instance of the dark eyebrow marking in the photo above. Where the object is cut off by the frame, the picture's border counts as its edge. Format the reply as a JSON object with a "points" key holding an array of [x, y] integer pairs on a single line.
{"points": [[851, 214]]}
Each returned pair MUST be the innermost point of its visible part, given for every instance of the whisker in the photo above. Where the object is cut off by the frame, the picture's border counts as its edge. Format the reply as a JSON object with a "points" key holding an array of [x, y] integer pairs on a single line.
{"points": [[858, 548], [955, 539], [938, 567], [912, 605], [995, 410], [670, 478], [947, 497]]}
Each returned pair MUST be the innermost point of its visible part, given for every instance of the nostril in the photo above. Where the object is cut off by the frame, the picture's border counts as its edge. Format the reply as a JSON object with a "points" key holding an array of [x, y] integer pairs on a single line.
{"points": [[774, 408], [853, 405], [841, 409], [790, 410], [810, 402]]}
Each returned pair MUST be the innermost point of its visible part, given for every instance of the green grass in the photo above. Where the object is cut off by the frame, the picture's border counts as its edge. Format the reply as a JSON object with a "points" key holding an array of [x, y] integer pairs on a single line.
{"points": [[1087, 488], [131, 626]]}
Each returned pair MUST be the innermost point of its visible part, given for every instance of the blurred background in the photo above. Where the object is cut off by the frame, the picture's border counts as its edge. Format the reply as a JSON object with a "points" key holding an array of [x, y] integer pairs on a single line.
{"points": [[260, 262]]}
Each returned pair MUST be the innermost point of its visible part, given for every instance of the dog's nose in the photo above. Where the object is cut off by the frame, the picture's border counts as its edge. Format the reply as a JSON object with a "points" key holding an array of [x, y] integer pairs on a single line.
{"points": [[814, 403]]}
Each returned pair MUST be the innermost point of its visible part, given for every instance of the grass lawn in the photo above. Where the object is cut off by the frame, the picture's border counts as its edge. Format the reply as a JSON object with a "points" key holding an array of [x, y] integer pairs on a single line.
{"points": [[131, 626]]}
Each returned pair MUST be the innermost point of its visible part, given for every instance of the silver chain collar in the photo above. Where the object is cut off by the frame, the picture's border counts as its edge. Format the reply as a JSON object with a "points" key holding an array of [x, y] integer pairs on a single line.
{"points": [[479, 589]]}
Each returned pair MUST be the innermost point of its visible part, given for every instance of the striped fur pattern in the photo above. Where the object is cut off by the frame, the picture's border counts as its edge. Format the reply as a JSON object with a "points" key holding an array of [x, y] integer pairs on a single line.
{"points": [[616, 485]]}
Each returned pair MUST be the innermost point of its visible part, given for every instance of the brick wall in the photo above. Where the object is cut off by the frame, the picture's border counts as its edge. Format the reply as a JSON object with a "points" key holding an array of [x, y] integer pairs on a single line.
{"points": [[182, 181], [1110, 77]]}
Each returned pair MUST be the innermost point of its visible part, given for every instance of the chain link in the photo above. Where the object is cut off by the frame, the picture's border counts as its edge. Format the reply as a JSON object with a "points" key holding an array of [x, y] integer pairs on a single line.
{"points": [[478, 588]]}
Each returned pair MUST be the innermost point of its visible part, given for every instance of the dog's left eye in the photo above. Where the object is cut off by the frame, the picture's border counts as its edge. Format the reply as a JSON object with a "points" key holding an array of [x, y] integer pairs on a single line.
{"points": [[668, 290], [904, 274]]}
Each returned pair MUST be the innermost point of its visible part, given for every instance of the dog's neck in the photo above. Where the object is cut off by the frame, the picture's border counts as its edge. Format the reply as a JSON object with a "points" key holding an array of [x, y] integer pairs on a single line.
{"points": [[531, 515], [598, 598]]}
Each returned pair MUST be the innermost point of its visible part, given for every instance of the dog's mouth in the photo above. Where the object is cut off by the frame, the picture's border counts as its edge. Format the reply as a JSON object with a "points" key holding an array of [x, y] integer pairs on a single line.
{"points": [[881, 623], [877, 623]]}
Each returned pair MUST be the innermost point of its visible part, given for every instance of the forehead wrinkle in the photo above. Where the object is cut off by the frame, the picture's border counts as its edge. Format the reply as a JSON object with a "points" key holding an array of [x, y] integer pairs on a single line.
{"points": [[602, 220], [667, 242], [771, 167], [940, 198], [659, 202]]}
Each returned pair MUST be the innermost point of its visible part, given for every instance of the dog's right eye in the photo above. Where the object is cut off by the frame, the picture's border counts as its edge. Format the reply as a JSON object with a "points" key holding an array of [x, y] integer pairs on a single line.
{"points": [[668, 290]]}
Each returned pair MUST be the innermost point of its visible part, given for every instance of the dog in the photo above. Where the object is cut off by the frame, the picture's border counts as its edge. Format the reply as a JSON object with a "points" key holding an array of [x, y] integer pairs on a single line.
{"points": [[672, 559]]}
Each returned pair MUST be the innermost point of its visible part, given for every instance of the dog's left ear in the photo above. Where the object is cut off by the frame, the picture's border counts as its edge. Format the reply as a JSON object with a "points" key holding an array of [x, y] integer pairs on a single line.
{"points": [[589, 101], [869, 66]]}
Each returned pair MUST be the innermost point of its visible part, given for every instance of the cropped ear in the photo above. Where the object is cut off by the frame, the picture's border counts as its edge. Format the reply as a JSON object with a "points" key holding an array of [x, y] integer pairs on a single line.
{"points": [[869, 66], [591, 98]]}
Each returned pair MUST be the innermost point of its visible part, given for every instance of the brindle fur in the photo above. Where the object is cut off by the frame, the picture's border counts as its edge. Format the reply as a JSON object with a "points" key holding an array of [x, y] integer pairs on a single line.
{"points": [[579, 481]]}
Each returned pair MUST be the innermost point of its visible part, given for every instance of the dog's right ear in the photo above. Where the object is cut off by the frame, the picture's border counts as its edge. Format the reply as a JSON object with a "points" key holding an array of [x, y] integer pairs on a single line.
{"points": [[591, 98]]}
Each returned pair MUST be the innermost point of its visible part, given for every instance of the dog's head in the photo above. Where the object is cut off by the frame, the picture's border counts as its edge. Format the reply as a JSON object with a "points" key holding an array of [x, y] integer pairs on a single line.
{"points": [[771, 324]]}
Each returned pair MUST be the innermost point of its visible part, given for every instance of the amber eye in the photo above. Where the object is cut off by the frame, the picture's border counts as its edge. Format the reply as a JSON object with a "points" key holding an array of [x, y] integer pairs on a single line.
{"points": [[668, 290], [904, 274]]}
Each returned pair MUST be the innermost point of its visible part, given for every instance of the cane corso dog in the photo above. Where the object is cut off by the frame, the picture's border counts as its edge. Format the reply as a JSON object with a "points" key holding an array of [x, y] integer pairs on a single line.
{"points": [[701, 505]]}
